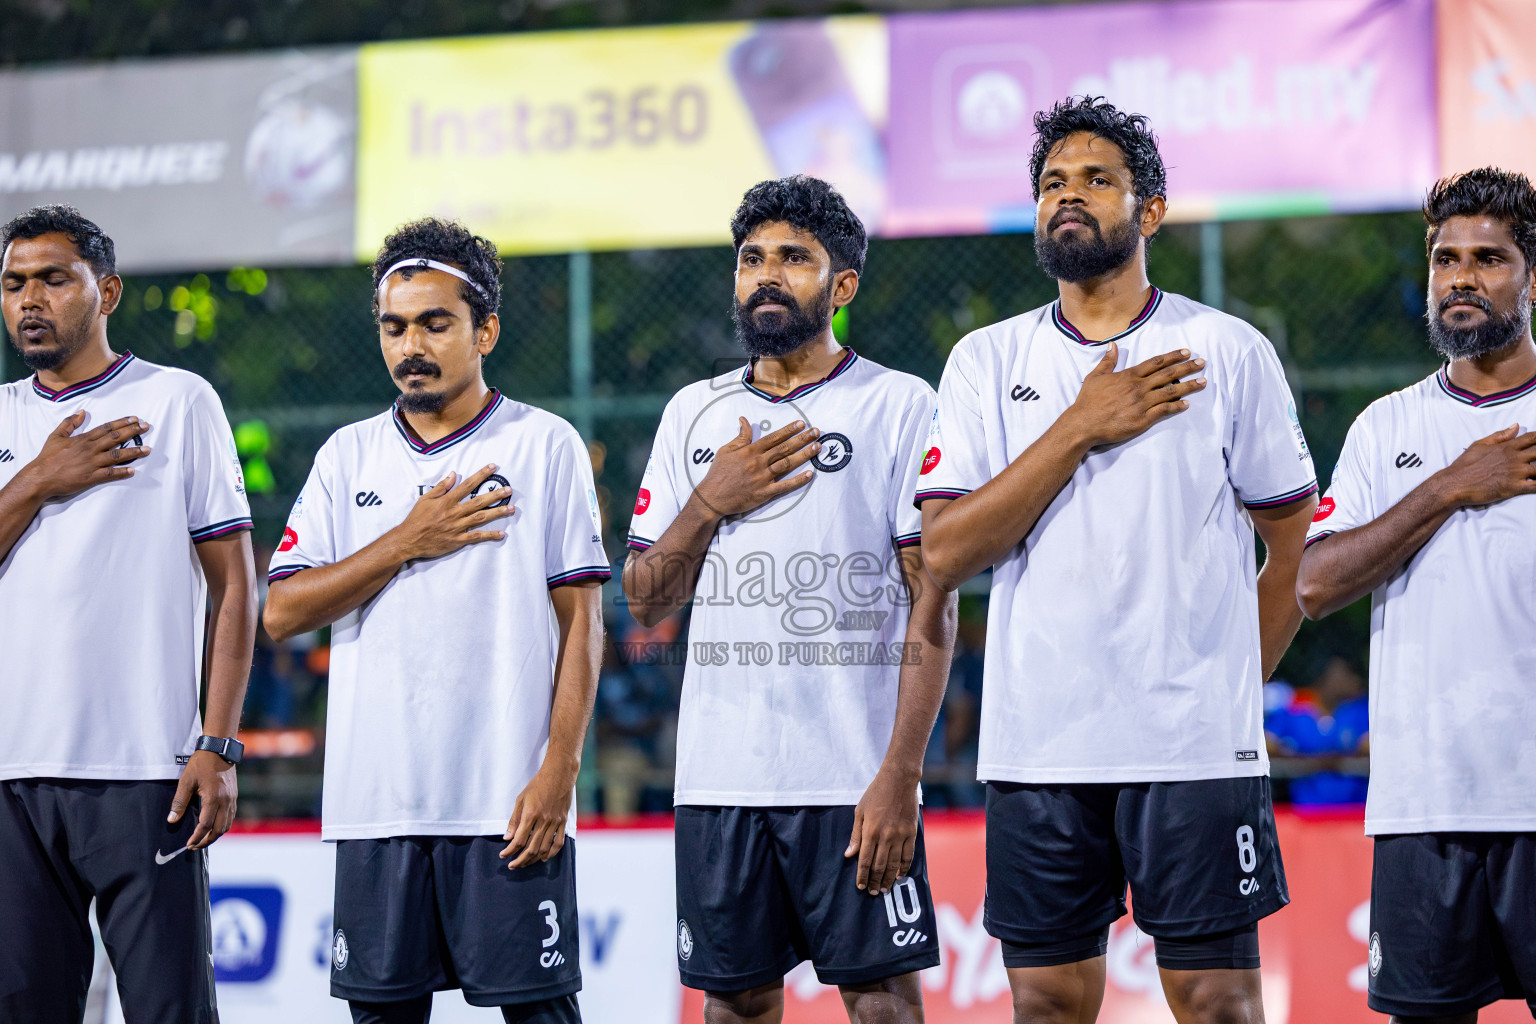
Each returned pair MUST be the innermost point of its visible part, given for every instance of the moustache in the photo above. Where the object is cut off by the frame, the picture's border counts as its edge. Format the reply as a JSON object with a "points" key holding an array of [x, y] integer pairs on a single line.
{"points": [[416, 364], [1466, 298], [766, 294], [34, 321], [1070, 215]]}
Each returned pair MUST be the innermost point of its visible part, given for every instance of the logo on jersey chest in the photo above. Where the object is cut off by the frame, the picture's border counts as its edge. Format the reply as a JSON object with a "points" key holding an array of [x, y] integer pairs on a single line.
{"points": [[6, 456], [1409, 460], [836, 452], [367, 499], [1020, 393], [494, 482], [703, 456]]}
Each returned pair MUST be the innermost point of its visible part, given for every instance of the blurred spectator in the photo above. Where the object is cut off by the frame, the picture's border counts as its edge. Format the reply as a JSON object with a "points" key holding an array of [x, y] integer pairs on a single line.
{"points": [[1323, 724]]}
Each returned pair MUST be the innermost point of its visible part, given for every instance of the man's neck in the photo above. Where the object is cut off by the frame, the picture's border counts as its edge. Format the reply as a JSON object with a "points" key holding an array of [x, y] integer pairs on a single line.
{"points": [[1103, 306], [459, 410], [92, 359], [1492, 372], [805, 365]]}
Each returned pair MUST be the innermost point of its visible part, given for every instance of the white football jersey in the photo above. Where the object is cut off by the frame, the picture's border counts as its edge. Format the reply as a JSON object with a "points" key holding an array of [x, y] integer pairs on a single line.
{"points": [[1453, 631], [104, 598], [1123, 632], [799, 619], [441, 684]]}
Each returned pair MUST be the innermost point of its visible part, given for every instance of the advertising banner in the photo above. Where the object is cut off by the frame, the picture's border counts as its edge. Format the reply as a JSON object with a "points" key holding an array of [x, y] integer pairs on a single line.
{"points": [[272, 935], [204, 163], [1487, 85], [1262, 107], [549, 142]]}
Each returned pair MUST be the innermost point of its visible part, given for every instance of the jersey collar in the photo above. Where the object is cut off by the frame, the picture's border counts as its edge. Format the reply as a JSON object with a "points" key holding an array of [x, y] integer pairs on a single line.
{"points": [[804, 389], [1443, 378], [1065, 326], [76, 390], [421, 447]]}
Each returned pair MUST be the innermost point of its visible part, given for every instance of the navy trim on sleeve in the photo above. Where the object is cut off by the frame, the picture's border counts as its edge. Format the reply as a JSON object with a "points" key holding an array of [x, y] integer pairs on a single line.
{"points": [[223, 529], [640, 543], [1318, 537], [1284, 499], [282, 572], [908, 540], [589, 572]]}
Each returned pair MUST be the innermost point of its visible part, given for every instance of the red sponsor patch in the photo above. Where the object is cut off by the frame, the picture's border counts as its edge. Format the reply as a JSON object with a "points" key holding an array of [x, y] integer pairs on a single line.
{"points": [[290, 540], [642, 501], [929, 461], [1324, 510]]}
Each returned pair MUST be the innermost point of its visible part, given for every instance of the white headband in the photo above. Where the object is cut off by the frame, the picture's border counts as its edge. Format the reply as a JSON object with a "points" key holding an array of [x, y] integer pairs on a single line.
{"points": [[426, 264]]}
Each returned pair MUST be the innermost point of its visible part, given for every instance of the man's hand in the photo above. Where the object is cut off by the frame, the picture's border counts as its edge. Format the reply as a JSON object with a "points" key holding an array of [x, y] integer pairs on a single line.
{"points": [[1493, 468], [884, 832], [446, 518], [537, 827], [746, 473], [1117, 406], [210, 777], [69, 463]]}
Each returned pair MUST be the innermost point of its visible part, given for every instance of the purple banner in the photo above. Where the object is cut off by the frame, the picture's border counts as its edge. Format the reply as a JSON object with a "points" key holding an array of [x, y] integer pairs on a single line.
{"points": [[1262, 107]]}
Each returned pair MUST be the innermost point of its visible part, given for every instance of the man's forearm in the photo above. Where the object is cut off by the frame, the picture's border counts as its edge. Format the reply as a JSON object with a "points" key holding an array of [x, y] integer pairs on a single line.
{"points": [[1279, 614], [317, 597], [578, 610], [931, 634], [661, 579], [970, 533], [231, 639], [20, 501], [1339, 569]]}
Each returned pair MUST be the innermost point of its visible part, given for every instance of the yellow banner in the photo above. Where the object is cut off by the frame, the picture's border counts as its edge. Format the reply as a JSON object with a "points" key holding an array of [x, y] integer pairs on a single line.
{"points": [[633, 138]]}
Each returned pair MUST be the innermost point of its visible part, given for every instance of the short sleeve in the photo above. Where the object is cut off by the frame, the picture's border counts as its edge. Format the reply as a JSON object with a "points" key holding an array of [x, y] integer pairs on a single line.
{"points": [[573, 527], [906, 520], [309, 539], [955, 462], [215, 485], [1269, 462], [1350, 501], [661, 495]]}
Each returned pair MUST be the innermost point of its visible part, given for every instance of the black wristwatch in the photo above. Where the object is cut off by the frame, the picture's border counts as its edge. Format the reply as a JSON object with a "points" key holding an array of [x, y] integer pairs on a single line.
{"points": [[231, 750]]}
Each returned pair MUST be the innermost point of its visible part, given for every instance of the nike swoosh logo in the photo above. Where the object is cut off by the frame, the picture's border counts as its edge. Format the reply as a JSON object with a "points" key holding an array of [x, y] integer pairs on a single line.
{"points": [[166, 858]]}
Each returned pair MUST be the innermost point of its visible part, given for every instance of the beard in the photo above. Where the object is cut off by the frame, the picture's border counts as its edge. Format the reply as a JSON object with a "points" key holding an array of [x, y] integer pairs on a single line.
{"points": [[1075, 258], [779, 333], [67, 342], [1497, 330], [417, 399]]}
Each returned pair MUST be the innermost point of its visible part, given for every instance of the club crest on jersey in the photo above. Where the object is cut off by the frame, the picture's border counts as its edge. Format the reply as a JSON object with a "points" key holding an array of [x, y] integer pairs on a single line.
{"points": [[930, 461], [495, 482], [684, 940], [1374, 954], [836, 452], [1324, 510], [339, 952]]}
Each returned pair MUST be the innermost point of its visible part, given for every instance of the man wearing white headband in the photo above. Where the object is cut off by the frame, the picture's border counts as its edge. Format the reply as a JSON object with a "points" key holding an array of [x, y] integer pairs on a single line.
{"points": [[454, 545]]}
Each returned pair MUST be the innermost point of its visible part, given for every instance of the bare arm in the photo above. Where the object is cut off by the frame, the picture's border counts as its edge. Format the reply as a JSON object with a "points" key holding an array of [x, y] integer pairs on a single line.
{"points": [[443, 520], [536, 831], [1284, 531], [885, 820], [744, 475], [1339, 569], [231, 573], [963, 536], [66, 465]]}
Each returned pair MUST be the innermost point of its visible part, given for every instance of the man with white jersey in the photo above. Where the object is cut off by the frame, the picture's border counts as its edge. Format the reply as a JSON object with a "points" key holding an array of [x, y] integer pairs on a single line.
{"points": [[1115, 495], [777, 503], [122, 511], [1431, 512], [454, 544]]}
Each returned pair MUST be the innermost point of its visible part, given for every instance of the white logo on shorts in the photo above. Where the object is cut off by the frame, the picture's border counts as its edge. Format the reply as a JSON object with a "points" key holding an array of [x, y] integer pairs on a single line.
{"points": [[684, 940], [908, 936], [339, 950], [1374, 958], [1248, 886], [553, 958]]}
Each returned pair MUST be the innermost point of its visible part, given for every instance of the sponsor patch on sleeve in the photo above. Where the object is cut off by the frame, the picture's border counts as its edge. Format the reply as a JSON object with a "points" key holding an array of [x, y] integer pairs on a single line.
{"points": [[290, 540], [642, 501], [930, 461], [1324, 510]]}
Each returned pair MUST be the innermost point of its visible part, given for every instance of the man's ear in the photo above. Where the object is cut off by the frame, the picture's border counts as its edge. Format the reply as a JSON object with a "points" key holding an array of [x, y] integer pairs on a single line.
{"points": [[1152, 213], [111, 289], [845, 285], [488, 334]]}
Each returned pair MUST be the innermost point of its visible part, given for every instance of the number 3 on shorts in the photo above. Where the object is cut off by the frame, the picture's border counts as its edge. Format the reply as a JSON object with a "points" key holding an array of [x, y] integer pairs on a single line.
{"points": [[1247, 856]]}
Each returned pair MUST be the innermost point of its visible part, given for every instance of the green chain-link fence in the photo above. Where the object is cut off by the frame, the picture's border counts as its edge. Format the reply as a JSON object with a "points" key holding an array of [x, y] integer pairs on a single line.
{"points": [[606, 339]]}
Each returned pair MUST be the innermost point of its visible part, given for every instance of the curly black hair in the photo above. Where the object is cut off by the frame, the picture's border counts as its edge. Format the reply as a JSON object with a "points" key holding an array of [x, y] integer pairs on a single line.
{"points": [[808, 204], [1486, 192], [450, 242], [89, 241], [1095, 115]]}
